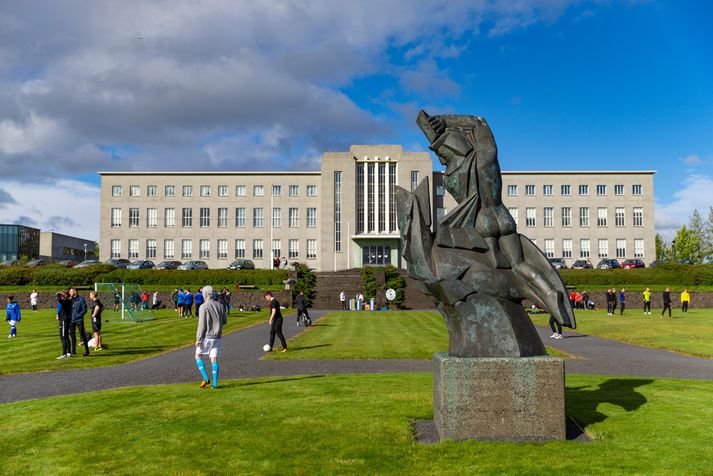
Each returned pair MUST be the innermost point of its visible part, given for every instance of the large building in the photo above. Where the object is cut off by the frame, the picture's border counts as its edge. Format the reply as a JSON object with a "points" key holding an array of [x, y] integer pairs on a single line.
{"points": [[64, 247], [19, 241], [344, 215]]}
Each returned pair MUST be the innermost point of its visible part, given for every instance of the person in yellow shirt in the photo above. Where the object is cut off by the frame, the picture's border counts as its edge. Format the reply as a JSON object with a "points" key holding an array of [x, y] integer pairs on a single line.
{"points": [[647, 301], [685, 300]]}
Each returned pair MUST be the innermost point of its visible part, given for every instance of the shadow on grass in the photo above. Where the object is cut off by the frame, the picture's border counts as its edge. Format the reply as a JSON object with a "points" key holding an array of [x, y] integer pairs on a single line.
{"points": [[295, 348], [283, 379]]}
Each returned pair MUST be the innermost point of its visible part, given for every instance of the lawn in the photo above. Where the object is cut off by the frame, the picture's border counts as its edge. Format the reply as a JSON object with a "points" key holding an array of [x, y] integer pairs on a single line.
{"points": [[347, 424], [38, 344]]}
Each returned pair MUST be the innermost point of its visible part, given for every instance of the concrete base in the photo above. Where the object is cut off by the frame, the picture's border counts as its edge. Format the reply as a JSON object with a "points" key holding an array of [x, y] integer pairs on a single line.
{"points": [[508, 399]]}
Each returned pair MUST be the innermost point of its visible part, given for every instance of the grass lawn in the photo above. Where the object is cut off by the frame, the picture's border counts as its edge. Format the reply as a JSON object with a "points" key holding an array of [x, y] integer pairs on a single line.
{"points": [[38, 344], [347, 424]]}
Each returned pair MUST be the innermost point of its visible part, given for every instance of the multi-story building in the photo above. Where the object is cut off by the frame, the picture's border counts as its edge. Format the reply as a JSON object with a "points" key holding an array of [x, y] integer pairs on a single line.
{"points": [[344, 215], [19, 241], [63, 247]]}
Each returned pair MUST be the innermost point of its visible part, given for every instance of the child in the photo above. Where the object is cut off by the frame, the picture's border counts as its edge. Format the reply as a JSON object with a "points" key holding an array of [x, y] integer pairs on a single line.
{"points": [[12, 316]]}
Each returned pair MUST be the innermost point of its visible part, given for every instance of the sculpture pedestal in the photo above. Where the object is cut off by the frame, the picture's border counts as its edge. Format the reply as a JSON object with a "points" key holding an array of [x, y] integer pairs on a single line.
{"points": [[507, 399]]}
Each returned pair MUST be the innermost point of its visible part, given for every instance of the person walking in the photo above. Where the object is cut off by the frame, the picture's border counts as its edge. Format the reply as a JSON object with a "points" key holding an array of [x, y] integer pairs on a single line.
{"points": [[174, 299], [301, 307], [97, 308], [64, 317], [647, 301], [79, 309], [685, 300], [622, 302], [666, 302], [556, 328], [12, 315], [275, 322], [33, 300], [613, 301], [211, 319], [343, 300], [154, 300], [609, 302], [117, 300]]}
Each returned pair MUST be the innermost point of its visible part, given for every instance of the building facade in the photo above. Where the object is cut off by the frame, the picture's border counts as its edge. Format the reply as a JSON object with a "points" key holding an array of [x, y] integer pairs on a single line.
{"points": [[19, 241], [63, 247], [344, 215]]}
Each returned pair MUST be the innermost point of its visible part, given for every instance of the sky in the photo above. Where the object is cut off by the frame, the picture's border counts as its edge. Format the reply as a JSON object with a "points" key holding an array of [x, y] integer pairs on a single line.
{"points": [[272, 85]]}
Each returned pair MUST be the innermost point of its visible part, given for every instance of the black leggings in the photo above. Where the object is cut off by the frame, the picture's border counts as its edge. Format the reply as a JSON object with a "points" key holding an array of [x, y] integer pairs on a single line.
{"points": [[64, 335], [276, 330], [621, 308], [684, 306], [666, 306], [554, 322], [647, 306], [73, 327]]}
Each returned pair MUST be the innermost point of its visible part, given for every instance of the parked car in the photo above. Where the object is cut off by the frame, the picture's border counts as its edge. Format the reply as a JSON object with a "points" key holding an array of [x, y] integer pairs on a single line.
{"points": [[88, 262], [557, 263], [119, 262], [608, 263], [632, 263], [241, 264], [141, 264], [707, 260], [10, 262], [168, 265], [657, 262], [37, 262], [68, 263], [582, 264], [686, 261], [189, 265]]}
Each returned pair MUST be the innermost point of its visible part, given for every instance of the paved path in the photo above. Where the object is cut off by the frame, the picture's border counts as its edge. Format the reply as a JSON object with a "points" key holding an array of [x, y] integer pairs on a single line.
{"points": [[242, 350]]}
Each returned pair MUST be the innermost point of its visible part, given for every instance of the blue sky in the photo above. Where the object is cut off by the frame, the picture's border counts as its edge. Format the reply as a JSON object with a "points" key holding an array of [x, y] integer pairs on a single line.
{"points": [[219, 85]]}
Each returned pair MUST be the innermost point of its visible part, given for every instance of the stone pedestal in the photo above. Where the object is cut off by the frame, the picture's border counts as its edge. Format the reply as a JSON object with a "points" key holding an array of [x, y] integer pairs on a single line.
{"points": [[508, 399]]}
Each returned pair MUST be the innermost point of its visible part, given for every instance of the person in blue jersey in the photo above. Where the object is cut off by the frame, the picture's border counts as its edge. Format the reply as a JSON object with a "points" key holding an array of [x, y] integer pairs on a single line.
{"points": [[211, 319], [12, 315], [198, 299], [180, 302], [188, 303]]}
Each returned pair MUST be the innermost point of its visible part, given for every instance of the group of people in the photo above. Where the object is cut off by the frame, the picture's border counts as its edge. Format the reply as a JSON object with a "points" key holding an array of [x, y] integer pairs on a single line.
{"points": [[139, 301], [581, 300], [279, 263], [613, 299], [358, 301], [71, 309], [183, 300]]}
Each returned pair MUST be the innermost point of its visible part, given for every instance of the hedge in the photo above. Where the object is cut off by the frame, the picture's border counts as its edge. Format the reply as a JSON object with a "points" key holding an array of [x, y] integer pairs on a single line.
{"points": [[666, 274]]}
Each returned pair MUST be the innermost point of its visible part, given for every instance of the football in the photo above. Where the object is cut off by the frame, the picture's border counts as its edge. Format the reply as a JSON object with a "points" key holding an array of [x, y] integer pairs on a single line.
{"points": [[266, 347]]}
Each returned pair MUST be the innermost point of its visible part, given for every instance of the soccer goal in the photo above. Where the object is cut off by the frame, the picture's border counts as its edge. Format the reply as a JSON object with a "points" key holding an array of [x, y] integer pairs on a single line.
{"points": [[127, 298]]}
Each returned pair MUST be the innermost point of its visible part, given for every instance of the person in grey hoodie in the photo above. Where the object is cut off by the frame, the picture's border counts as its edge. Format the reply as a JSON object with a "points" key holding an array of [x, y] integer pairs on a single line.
{"points": [[211, 319]]}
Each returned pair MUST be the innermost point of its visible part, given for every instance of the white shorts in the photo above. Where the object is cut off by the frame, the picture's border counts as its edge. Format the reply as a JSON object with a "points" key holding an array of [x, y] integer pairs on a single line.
{"points": [[209, 347], [12, 323]]}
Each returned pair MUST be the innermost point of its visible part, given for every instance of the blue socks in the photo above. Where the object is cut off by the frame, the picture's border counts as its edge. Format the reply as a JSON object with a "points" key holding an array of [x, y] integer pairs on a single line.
{"points": [[214, 365], [13, 330], [201, 368]]}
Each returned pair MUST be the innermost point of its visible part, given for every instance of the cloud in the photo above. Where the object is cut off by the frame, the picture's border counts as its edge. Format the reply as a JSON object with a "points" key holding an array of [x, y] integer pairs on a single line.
{"points": [[691, 160], [6, 199], [24, 220], [697, 194]]}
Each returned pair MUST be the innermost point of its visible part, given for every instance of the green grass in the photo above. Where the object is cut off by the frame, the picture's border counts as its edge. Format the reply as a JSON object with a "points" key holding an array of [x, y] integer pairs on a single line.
{"points": [[38, 342], [347, 424]]}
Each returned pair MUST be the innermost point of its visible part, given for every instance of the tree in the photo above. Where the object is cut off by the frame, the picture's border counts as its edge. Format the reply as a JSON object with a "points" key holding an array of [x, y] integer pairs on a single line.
{"points": [[707, 238], [662, 249], [687, 245]]}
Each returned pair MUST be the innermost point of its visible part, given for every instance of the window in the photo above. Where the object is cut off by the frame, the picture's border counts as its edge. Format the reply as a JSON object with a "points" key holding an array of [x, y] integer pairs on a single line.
{"points": [[222, 249], [618, 190], [601, 217], [276, 190], [222, 191], [549, 217], [566, 190], [414, 179], [151, 191], [638, 248], [169, 190], [514, 215], [205, 190], [169, 218], [150, 249], [547, 190], [115, 217], [584, 216], [636, 189], [258, 218], [257, 249], [294, 217], [223, 220], [529, 189], [530, 217], [276, 248], [187, 220], [152, 218], [620, 248], [512, 190], [566, 216], [276, 217], [619, 216], [370, 199], [168, 249], [133, 249], [205, 217], [186, 249], [338, 211], [311, 249], [239, 217], [293, 190], [204, 247], [240, 190], [601, 189], [311, 217], [440, 190], [187, 190], [392, 198], [240, 248], [638, 216], [258, 191], [584, 248], [584, 189], [380, 196], [550, 248], [603, 248], [116, 191], [116, 248], [359, 199], [311, 190], [133, 217], [293, 249], [566, 248], [134, 191]]}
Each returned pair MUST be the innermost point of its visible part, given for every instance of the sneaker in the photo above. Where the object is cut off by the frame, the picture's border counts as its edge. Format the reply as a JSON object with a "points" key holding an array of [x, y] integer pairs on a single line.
{"points": [[204, 383], [559, 336], [214, 387], [68, 355], [553, 336], [97, 349], [298, 324], [63, 356], [10, 336], [283, 350], [86, 354]]}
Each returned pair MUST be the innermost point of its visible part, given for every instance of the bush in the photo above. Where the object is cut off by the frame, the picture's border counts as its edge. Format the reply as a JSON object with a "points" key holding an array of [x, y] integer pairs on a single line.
{"points": [[305, 281], [392, 279]]}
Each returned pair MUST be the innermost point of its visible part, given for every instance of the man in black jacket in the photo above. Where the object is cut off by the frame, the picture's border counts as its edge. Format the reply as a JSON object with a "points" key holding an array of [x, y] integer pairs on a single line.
{"points": [[64, 316], [666, 302], [79, 309], [301, 307]]}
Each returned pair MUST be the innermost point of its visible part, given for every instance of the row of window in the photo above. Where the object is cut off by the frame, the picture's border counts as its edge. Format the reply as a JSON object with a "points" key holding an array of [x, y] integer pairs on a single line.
{"points": [[566, 190], [205, 190], [186, 250], [204, 217], [620, 250], [602, 217]]}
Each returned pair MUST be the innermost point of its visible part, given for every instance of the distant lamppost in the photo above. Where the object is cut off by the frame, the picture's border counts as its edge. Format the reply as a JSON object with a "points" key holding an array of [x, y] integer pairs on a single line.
{"points": [[673, 249], [85, 251]]}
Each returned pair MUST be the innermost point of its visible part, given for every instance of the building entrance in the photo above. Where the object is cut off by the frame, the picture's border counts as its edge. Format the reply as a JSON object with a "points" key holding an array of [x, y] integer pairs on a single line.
{"points": [[376, 255]]}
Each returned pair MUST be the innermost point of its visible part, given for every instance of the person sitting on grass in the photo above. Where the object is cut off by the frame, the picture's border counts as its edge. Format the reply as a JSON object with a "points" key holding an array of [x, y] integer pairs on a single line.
{"points": [[12, 315], [211, 319]]}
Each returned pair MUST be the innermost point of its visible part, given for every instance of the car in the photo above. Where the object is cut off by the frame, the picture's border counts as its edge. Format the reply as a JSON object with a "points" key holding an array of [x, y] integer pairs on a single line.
{"points": [[557, 263], [608, 263], [168, 265], [686, 261], [37, 262], [708, 260], [119, 262], [657, 262], [10, 262], [67, 263], [241, 264], [87, 262], [190, 265], [582, 264], [632, 263], [141, 264]]}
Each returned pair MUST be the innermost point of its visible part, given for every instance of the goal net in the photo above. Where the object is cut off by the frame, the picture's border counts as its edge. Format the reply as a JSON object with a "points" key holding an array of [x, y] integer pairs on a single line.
{"points": [[126, 297]]}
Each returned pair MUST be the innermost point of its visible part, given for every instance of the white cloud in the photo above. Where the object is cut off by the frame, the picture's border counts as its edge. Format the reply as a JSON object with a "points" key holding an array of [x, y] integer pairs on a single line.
{"points": [[697, 193], [692, 160]]}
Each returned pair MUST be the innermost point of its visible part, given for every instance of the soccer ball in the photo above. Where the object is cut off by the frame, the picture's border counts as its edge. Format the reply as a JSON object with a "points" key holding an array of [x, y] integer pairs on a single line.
{"points": [[266, 347]]}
